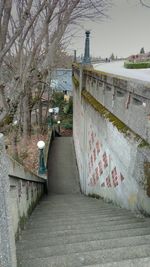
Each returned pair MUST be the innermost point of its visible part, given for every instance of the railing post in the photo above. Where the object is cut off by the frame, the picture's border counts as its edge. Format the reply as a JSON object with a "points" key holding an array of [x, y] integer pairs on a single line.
{"points": [[7, 239]]}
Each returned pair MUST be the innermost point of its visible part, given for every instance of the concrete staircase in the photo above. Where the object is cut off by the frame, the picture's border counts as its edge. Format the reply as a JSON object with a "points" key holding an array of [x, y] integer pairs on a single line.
{"points": [[71, 230]]}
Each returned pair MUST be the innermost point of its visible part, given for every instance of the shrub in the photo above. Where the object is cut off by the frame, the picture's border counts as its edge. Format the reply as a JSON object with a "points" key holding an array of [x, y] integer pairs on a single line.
{"points": [[136, 65]]}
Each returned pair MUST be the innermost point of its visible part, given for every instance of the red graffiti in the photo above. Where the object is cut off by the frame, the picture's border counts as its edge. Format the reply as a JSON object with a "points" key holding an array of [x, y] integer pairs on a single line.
{"points": [[94, 179], [105, 160], [97, 147], [97, 174], [91, 160], [100, 168], [108, 181], [94, 154], [114, 177]]}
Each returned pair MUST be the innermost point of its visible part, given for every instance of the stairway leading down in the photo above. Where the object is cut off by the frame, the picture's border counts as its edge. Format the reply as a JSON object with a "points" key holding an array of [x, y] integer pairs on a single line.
{"points": [[68, 229]]}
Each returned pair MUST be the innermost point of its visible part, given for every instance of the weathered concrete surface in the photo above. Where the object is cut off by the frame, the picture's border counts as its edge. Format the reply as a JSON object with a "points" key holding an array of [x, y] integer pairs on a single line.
{"points": [[7, 238], [68, 229], [26, 188], [113, 160], [24, 196], [74, 231], [62, 164], [20, 191], [124, 97]]}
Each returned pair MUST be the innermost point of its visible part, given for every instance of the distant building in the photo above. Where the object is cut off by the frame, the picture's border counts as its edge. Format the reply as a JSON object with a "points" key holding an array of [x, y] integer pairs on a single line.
{"points": [[139, 57], [61, 80]]}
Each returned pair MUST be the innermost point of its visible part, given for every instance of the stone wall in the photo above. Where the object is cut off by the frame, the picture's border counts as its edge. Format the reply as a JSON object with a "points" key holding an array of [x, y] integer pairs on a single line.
{"points": [[24, 195], [126, 98], [20, 191], [113, 154], [7, 239], [26, 189]]}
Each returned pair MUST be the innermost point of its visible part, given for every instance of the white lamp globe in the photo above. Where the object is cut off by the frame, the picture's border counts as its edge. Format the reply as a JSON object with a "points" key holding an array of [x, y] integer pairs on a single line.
{"points": [[41, 144], [50, 110], [58, 122], [15, 122], [144, 104]]}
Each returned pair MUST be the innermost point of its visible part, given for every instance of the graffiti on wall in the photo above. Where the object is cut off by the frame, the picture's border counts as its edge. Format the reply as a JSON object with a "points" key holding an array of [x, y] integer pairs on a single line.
{"points": [[102, 171]]}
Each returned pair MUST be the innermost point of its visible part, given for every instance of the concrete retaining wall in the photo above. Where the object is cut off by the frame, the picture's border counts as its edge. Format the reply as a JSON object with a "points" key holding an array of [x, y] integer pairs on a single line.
{"points": [[113, 159], [7, 238], [24, 195], [26, 189], [20, 192], [128, 99]]}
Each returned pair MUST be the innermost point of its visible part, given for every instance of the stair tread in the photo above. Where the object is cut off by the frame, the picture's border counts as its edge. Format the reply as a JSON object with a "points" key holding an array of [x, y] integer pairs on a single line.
{"points": [[71, 230], [90, 257], [140, 262], [49, 241], [82, 247], [53, 233]]}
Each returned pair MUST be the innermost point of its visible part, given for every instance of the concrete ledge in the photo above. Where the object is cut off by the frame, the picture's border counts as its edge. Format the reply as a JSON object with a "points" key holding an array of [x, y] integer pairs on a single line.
{"points": [[26, 189], [106, 114]]}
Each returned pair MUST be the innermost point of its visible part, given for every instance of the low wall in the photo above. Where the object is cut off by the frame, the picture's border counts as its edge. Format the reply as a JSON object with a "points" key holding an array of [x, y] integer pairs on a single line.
{"points": [[20, 192], [113, 159], [26, 189]]}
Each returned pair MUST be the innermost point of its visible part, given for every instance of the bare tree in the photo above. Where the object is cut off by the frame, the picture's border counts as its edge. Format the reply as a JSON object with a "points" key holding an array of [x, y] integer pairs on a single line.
{"points": [[31, 32]]}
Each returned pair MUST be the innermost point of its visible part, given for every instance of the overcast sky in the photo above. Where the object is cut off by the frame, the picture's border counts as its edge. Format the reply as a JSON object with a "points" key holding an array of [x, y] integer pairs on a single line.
{"points": [[124, 33]]}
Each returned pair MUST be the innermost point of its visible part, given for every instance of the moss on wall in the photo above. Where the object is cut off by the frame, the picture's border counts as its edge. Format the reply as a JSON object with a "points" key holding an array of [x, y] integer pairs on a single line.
{"points": [[94, 196], [147, 175], [21, 224], [23, 219], [75, 81], [105, 113], [76, 65]]}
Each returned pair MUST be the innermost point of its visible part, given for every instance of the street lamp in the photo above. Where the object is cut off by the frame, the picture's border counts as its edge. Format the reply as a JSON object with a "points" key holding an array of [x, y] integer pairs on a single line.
{"points": [[58, 122], [42, 168], [15, 131], [50, 119], [15, 122]]}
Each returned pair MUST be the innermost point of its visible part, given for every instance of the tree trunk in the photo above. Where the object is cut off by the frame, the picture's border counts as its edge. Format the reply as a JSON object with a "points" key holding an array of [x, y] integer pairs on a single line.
{"points": [[26, 118], [40, 115]]}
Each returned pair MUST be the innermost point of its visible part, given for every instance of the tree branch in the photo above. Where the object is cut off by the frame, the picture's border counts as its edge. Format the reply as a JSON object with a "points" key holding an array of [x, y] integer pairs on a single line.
{"points": [[143, 4]]}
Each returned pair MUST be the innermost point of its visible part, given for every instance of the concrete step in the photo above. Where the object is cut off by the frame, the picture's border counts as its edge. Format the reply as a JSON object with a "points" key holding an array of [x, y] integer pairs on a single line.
{"points": [[54, 231], [41, 240], [65, 214], [143, 262], [67, 249], [71, 230], [71, 217], [101, 220], [89, 258], [80, 201]]}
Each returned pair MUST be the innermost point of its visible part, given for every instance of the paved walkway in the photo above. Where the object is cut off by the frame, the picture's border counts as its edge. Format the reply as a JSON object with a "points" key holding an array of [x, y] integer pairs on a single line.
{"points": [[117, 68], [70, 230], [63, 173]]}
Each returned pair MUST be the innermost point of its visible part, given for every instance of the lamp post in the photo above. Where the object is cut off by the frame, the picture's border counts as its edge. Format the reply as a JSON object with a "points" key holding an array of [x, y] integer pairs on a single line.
{"points": [[58, 122], [42, 168], [15, 131], [50, 120]]}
